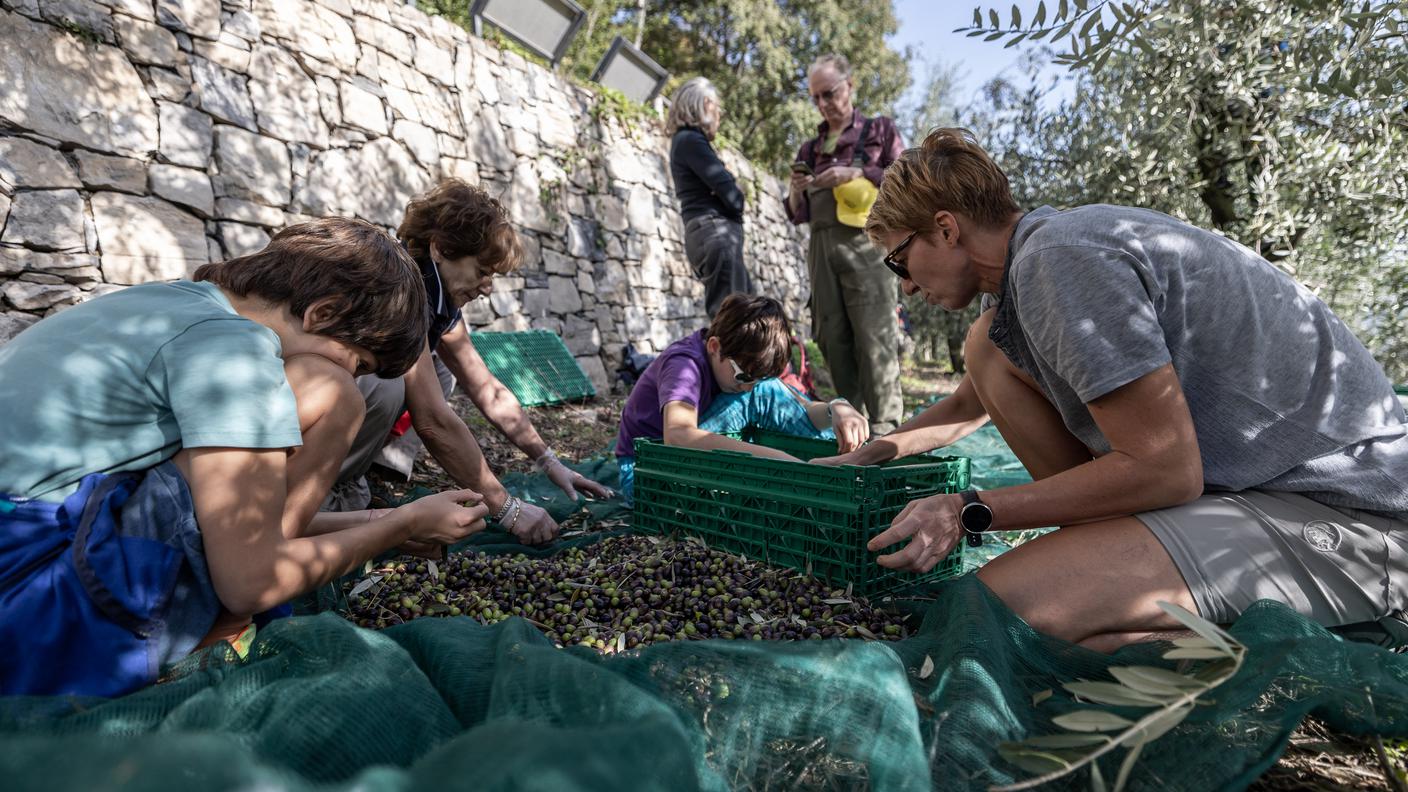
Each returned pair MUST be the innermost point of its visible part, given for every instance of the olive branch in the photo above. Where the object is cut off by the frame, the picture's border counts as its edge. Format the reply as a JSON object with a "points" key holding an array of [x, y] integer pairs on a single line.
{"points": [[1092, 733]]}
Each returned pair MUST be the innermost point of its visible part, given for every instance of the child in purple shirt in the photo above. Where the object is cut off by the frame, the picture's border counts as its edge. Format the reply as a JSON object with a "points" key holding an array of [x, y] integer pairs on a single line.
{"points": [[724, 378]]}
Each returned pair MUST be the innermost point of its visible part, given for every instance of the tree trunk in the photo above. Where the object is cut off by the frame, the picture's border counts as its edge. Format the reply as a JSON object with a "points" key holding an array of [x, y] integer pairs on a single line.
{"points": [[955, 353], [640, 22]]}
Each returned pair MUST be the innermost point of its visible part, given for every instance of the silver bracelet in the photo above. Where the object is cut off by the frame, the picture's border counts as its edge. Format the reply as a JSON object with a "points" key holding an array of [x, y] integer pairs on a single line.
{"points": [[517, 511], [503, 510]]}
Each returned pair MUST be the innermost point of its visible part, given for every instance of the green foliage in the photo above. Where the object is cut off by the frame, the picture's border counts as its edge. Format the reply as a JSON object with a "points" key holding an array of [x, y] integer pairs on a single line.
{"points": [[757, 53], [1280, 123]]}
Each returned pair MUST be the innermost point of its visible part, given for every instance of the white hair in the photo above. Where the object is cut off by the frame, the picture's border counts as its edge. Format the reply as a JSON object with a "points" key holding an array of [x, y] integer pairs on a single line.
{"points": [[691, 107], [837, 63]]}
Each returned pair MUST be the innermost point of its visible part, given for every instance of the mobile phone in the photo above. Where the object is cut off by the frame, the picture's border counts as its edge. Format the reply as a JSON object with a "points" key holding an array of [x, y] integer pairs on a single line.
{"points": [[801, 167]]}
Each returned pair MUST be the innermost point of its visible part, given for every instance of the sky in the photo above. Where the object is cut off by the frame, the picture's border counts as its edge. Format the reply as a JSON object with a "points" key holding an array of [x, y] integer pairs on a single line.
{"points": [[927, 25]]}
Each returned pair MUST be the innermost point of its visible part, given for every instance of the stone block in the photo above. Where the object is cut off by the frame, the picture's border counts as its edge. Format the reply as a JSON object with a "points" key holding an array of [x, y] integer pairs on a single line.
{"points": [[585, 283], [525, 199], [435, 62], [251, 167], [563, 297], [641, 210], [38, 296], [40, 277], [337, 182], [420, 140], [92, 18], [286, 100], [47, 220], [459, 169], [14, 260], [504, 303], [234, 57], [522, 142], [196, 17], [242, 24], [535, 303], [4, 209], [485, 138], [582, 238], [384, 37], [185, 135], [558, 263], [223, 93], [478, 312], [141, 9], [611, 211], [92, 94], [184, 187], [241, 240], [146, 239], [581, 335], [12, 323], [146, 42], [624, 163], [24, 163], [100, 172], [557, 128], [249, 212], [168, 85], [362, 108]]}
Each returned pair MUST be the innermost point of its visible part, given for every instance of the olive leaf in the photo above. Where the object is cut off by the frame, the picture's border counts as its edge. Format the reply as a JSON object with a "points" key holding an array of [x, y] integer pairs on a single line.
{"points": [[927, 669], [1114, 694], [1040, 696], [366, 583], [1091, 733], [1091, 721], [434, 570]]}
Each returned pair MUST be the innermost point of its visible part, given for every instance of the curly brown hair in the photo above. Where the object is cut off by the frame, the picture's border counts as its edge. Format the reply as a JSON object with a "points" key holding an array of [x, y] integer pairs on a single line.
{"points": [[377, 290], [461, 220]]}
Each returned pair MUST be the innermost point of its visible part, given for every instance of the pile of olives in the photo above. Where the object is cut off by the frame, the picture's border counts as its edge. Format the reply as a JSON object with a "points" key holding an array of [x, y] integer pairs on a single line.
{"points": [[620, 593]]}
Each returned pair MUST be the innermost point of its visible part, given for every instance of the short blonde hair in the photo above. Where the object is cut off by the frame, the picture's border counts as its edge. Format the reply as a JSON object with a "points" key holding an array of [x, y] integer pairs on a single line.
{"points": [[948, 171], [690, 107]]}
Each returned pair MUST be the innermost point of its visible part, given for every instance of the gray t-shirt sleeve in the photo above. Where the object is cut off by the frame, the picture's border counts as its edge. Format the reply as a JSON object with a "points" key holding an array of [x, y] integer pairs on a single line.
{"points": [[1089, 314]]}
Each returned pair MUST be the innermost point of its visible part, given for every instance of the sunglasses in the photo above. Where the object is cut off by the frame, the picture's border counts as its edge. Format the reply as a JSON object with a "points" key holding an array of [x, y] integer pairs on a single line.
{"points": [[739, 376], [900, 268]]}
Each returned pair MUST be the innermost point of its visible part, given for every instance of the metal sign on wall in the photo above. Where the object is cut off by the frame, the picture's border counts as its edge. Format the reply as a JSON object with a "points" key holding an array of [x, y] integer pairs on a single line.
{"points": [[543, 26], [628, 70]]}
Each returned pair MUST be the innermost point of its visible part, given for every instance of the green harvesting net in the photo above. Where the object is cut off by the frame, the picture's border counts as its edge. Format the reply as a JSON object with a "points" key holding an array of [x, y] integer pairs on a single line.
{"points": [[448, 703], [535, 365], [452, 704]]}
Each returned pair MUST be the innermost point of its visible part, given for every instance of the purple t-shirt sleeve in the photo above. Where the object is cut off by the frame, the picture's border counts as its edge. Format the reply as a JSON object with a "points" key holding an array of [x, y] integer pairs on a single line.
{"points": [[680, 380]]}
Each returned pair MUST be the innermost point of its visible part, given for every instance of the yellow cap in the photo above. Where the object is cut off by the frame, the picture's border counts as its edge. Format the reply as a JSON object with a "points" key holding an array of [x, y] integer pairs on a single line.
{"points": [[853, 200]]}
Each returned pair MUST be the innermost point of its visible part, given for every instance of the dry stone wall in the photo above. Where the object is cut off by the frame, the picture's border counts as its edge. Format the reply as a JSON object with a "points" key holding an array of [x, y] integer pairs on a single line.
{"points": [[140, 139]]}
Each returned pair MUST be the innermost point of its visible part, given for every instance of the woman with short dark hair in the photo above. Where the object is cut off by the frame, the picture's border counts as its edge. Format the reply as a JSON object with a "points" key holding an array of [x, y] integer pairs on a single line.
{"points": [[711, 204]]}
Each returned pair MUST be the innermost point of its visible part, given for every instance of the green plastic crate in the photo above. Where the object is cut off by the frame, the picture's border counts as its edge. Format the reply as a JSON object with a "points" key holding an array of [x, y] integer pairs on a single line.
{"points": [[535, 365], [813, 518]]}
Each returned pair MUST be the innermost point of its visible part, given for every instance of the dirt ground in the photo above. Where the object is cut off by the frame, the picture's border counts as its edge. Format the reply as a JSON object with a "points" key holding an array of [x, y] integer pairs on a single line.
{"points": [[1317, 759]]}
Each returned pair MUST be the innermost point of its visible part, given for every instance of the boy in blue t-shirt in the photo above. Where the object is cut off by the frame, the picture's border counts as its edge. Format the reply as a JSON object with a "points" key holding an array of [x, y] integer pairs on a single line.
{"points": [[166, 448], [722, 379]]}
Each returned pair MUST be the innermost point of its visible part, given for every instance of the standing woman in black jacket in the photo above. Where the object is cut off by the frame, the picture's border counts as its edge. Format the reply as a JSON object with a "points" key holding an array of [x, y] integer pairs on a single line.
{"points": [[710, 202]]}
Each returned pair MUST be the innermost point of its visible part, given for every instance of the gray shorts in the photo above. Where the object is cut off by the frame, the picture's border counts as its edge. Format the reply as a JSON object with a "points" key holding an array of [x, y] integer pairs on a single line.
{"points": [[1337, 567]]}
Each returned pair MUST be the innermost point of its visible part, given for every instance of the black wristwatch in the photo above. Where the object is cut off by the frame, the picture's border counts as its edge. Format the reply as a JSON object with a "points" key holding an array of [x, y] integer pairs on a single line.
{"points": [[975, 517]]}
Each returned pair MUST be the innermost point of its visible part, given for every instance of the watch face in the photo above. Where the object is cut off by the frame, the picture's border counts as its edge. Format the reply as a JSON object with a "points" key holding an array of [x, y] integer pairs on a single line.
{"points": [[976, 517]]}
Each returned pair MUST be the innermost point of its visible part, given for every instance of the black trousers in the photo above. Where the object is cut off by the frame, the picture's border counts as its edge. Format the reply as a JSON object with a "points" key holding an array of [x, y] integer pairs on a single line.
{"points": [[714, 246]]}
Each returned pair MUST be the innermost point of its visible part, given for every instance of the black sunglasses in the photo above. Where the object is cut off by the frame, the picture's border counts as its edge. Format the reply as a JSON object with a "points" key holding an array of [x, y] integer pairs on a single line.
{"points": [[739, 375], [900, 268]]}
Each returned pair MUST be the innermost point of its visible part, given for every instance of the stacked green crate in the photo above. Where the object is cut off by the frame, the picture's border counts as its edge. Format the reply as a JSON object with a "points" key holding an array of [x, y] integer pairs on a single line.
{"points": [[813, 518], [535, 365]]}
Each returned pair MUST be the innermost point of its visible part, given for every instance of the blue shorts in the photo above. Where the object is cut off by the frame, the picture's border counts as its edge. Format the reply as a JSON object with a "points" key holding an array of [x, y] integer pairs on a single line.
{"points": [[98, 593]]}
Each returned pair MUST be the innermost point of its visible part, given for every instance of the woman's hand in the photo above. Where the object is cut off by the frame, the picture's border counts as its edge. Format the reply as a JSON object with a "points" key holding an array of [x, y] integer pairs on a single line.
{"points": [[852, 429], [932, 527], [533, 525], [446, 517], [570, 481]]}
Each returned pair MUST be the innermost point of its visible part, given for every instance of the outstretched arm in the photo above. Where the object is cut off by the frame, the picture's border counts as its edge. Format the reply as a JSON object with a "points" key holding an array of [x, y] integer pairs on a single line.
{"points": [[502, 408]]}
